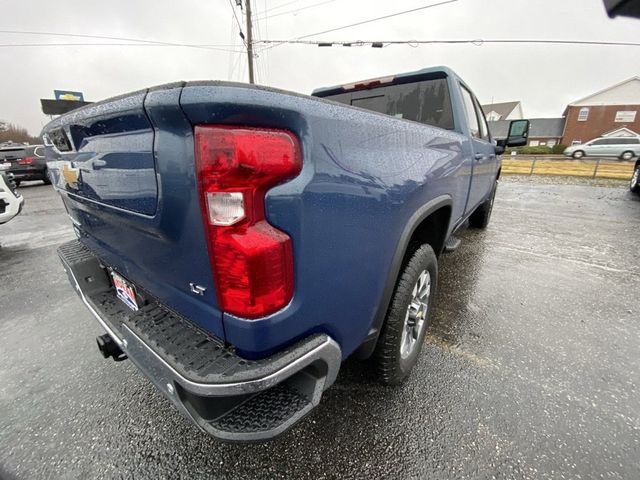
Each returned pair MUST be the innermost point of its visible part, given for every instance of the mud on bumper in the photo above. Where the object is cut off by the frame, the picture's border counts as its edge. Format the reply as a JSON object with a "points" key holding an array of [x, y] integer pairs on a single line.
{"points": [[227, 396]]}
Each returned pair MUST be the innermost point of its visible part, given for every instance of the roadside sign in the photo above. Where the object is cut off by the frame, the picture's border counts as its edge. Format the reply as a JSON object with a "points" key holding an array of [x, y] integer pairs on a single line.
{"points": [[68, 95]]}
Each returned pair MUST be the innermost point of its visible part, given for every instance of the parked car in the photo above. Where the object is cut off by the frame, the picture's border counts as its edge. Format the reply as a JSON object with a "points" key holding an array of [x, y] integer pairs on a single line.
{"points": [[634, 184], [624, 148], [11, 202], [27, 162], [281, 234]]}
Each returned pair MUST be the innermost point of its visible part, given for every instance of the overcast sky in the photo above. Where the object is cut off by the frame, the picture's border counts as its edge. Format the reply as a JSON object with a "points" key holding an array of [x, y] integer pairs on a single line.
{"points": [[544, 78]]}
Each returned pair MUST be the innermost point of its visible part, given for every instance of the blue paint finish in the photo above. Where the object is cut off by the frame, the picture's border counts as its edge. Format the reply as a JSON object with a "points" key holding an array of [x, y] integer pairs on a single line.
{"points": [[112, 158], [364, 175], [149, 249]]}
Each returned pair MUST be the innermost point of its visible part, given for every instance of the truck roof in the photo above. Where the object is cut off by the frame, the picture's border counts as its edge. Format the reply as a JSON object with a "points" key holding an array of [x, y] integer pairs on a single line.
{"points": [[407, 77]]}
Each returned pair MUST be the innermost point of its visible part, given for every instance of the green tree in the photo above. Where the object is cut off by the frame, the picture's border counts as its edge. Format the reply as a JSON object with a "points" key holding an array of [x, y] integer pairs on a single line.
{"points": [[15, 133]]}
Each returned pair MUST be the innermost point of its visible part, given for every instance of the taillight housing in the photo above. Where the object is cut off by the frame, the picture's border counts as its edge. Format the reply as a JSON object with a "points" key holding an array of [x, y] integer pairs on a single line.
{"points": [[251, 260], [25, 161]]}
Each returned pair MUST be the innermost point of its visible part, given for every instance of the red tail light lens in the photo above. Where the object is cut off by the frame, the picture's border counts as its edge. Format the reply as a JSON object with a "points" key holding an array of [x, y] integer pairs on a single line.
{"points": [[25, 161], [251, 260]]}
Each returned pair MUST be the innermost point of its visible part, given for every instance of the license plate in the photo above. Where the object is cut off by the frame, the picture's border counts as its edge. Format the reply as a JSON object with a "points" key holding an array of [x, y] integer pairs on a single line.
{"points": [[125, 291]]}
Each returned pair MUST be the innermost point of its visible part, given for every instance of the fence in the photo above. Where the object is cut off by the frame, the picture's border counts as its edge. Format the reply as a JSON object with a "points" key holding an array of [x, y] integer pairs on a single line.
{"points": [[585, 167]]}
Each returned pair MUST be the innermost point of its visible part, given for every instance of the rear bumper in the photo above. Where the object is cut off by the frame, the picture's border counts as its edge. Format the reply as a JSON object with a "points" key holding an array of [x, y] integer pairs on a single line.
{"points": [[229, 397], [34, 173]]}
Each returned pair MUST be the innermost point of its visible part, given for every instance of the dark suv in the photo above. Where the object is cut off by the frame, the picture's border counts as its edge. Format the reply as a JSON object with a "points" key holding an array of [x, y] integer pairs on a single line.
{"points": [[27, 162]]}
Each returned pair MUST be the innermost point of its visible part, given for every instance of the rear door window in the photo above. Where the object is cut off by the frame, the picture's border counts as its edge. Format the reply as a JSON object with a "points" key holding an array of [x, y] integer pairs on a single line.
{"points": [[484, 127], [470, 110], [427, 101]]}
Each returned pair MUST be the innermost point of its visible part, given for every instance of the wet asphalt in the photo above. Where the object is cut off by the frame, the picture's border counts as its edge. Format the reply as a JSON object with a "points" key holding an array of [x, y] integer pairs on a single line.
{"points": [[531, 366]]}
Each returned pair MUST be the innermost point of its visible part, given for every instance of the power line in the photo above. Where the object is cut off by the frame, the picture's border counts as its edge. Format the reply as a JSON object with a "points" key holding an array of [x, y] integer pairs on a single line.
{"points": [[232, 56], [199, 46], [478, 42], [265, 62], [371, 20], [280, 6], [139, 41], [260, 69], [363, 22], [358, 43], [295, 10], [237, 21]]}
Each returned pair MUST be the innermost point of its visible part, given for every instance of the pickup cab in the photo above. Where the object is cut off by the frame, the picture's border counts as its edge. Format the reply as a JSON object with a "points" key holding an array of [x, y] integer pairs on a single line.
{"points": [[237, 243]]}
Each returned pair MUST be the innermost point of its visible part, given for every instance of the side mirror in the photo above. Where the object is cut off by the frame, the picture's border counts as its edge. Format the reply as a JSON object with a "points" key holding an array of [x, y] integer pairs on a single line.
{"points": [[518, 133]]}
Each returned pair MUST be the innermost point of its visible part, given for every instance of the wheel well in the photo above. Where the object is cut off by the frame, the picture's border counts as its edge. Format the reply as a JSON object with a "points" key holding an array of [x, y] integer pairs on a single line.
{"points": [[432, 230]]}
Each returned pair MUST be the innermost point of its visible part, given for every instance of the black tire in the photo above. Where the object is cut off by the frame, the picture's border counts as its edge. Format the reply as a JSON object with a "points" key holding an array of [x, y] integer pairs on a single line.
{"points": [[392, 365], [628, 155], [482, 215], [634, 185], [45, 178], [578, 154]]}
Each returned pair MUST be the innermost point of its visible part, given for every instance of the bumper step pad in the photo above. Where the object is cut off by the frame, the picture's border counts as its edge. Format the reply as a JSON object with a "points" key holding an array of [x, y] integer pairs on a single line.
{"points": [[264, 411], [230, 397]]}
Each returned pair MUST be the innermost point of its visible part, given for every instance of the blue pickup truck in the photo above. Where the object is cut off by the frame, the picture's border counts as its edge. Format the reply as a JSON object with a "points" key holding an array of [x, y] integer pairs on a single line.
{"points": [[238, 242]]}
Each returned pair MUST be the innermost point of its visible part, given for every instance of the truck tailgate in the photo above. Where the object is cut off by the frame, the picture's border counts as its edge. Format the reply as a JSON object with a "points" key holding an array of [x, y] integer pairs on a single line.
{"points": [[125, 170]]}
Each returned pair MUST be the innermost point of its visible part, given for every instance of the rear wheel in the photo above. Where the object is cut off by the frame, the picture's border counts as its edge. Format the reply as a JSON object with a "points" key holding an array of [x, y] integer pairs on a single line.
{"points": [[45, 177], [634, 185], [627, 155], [578, 154], [482, 214], [405, 327]]}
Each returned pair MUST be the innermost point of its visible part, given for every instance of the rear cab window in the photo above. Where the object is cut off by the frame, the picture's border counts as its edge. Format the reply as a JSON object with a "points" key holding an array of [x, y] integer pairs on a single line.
{"points": [[425, 101], [11, 153]]}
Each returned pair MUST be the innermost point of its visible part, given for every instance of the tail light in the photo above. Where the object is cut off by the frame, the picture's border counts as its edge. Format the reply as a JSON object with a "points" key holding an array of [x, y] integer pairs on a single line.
{"points": [[251, 260], [25, 161]]}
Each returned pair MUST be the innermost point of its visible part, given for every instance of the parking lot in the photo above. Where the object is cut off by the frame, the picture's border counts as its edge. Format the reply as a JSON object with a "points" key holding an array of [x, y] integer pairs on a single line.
{"points": [[531, 367]]}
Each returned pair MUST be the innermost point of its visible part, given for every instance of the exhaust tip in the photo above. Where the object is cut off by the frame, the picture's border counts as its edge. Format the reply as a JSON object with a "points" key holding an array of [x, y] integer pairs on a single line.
{"points": [[109, 348]]}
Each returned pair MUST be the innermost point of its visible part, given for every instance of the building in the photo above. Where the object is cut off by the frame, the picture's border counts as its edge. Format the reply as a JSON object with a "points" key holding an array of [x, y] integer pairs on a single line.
{"points": [[503, 111], [611, 111], [543, 132]]}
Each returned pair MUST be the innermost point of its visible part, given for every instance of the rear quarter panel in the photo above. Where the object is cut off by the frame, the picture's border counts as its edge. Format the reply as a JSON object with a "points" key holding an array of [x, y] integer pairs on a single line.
{"points": [[364, 174]]}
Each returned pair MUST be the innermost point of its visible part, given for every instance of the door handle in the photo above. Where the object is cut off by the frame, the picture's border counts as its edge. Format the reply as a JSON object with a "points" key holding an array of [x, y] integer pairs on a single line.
{"points": [[480, 156]]}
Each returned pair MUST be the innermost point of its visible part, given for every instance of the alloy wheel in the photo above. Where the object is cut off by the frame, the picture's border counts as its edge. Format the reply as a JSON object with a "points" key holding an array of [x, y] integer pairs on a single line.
{"points": [[416, 315]]}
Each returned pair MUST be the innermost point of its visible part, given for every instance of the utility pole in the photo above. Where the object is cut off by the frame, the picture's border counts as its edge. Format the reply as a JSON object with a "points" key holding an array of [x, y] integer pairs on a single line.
{"points": [[249, 40]]}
